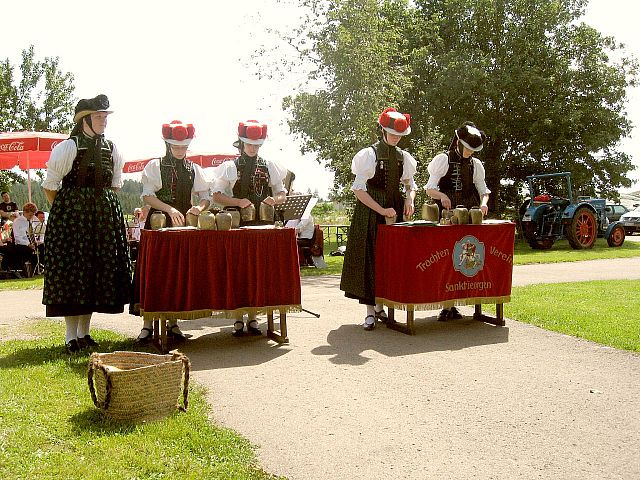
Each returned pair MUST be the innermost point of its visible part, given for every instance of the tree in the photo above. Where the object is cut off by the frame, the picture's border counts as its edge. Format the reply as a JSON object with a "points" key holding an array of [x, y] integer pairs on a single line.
{"points": [[359, 52], [41, 98], [538, 81]]}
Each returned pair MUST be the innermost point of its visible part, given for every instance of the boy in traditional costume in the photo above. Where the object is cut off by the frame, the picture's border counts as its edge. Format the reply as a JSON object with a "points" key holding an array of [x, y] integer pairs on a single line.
{"points": [[457, 178]]}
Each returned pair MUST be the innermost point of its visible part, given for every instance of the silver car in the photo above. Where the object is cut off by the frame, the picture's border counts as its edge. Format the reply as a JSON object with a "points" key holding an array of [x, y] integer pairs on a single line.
{"points": [[631, 220]]}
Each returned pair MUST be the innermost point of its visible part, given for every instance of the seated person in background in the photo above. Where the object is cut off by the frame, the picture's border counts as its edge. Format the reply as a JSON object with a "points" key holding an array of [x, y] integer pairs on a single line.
{"points": [[7, 207], [40, 227], [24, 234]]}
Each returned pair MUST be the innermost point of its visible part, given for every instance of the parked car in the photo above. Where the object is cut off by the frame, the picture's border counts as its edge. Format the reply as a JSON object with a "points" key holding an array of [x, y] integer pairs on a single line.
{"points": [[614, 211], [631, 220]]}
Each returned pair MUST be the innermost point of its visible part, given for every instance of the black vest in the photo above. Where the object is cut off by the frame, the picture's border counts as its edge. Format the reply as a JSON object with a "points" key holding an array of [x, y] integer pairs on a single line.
{"points": [[457, 183], [91, 172], [253, 179], [389, 170]]}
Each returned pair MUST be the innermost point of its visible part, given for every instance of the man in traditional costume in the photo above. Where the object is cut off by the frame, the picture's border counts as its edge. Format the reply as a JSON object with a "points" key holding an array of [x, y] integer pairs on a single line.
{"points": [[88, 266], [380, 170], [457, 178], [168, 184], [249, 180]]}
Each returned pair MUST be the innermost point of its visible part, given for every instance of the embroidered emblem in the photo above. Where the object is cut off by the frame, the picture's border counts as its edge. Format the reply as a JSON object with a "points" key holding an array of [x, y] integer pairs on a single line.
{"points": [[468, 256]]}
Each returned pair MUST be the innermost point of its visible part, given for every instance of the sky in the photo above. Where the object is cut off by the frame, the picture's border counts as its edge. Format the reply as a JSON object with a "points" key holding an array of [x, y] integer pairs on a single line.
{"points": [[192, 60]]}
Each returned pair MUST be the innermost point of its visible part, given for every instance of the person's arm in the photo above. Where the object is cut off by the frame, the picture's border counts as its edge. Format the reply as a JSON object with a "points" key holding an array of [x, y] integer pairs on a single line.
{"points": [[177, 219], [481, 185], [437, 169], [366, 199], [59, 165]]}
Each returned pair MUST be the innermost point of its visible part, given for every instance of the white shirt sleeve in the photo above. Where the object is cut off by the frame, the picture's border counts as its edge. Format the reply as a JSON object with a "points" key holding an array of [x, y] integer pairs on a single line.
{"points": [[479, 178], [277, 174], [151, 179], [363, 166], [59, 164], [225, 178], [200, 183], [437, 169], [409, 168], [118, 165]]}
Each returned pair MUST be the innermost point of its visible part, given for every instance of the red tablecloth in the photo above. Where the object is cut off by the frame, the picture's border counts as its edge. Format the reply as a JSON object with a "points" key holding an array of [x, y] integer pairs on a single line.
{"points": [[441, 266], [193, 273]]}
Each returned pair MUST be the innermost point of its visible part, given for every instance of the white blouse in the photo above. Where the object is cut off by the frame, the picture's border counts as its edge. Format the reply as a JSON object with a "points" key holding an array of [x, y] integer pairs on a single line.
{"points": [[439, 166], [61, 161], [363, 167], [226, 176], [152, 180]]}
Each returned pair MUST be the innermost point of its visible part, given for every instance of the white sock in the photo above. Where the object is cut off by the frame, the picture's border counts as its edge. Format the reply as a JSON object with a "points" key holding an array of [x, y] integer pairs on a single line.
{"points": [[379, 307], [146, 324], [239, 323], [84, 322], [72, 327], [370, 310]]}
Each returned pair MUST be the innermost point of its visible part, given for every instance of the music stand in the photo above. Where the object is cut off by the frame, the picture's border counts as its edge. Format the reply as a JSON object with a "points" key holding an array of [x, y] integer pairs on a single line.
{"points": [[292, 209]]}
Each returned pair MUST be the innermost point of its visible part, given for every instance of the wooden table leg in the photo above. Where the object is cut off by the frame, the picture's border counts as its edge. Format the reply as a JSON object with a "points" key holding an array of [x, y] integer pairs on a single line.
{"points": [[498, 320], [407, 328], [271, 333]]}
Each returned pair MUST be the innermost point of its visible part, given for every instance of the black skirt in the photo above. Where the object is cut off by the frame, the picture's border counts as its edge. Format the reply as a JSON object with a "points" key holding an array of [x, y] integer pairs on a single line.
{"points": [[86, 253]]}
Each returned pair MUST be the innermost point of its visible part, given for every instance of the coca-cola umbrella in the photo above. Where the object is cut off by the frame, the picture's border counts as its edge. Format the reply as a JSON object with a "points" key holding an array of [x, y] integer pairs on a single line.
{"points": [[27, 150], [203, 159]]}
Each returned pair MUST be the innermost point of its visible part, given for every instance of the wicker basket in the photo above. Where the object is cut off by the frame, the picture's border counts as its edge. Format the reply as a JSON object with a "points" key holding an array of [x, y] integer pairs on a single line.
{"points": [[137, 386]]}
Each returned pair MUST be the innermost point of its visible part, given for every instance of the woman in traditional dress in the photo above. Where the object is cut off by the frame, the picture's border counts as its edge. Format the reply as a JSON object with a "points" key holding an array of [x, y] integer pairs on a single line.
{"points": [[249, 180], [168, 184], [88, 266], [380, 170]]}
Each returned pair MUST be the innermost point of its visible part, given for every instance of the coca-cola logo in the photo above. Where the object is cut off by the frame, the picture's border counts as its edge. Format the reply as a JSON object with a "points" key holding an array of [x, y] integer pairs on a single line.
{"points": [[12, 147], [53, 144]]}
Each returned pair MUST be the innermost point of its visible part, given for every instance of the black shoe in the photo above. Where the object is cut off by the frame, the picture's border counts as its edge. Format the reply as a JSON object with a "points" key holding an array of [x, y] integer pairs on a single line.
{"points": [[253, 330], [175, 334], [443, 316], [238, 328], [144, 340], [87, 341], [454, 314], [72, 346], [369, 322], [381, 315]]}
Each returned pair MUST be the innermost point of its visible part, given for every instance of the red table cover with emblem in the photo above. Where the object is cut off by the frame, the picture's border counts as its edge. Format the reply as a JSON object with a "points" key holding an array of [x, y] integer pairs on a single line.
{"points": [[430, 267], [191, 273]]}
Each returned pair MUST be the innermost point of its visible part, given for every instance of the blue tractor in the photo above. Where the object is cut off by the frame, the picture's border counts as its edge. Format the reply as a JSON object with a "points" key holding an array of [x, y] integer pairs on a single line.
{"points": [[553, 213]]}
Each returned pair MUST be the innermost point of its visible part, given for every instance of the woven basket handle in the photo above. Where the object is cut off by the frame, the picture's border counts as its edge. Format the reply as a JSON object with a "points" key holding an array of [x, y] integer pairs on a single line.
{"points": [[94, 365], [185, 387]]}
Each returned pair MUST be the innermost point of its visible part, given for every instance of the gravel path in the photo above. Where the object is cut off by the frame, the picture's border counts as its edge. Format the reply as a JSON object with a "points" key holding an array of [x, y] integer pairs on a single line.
{"points": [[460, 399]]}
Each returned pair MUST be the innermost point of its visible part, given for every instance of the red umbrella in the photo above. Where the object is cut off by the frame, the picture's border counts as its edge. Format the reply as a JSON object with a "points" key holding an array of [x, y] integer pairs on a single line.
{"points": [[203, 159], [27, 150]]}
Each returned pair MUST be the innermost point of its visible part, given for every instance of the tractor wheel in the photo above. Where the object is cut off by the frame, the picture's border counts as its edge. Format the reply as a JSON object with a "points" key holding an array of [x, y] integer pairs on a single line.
{"points": [[616, 236], [529, 232], [583, 229]]}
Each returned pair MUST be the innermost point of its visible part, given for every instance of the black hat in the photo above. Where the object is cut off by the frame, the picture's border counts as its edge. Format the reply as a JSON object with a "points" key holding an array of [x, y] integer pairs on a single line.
{"points": [[87, 106], [470, 136]]}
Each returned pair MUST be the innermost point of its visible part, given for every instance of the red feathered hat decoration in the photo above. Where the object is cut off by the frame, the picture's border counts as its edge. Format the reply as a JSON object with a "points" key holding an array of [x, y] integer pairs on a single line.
{"points": [[178, 133], [395, 122], [252, 132]]}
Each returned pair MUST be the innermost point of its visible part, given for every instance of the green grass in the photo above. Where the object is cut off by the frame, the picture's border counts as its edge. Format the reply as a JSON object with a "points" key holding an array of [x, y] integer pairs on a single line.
{"points": [[605, 312], [562, 252], [50, 429]]}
